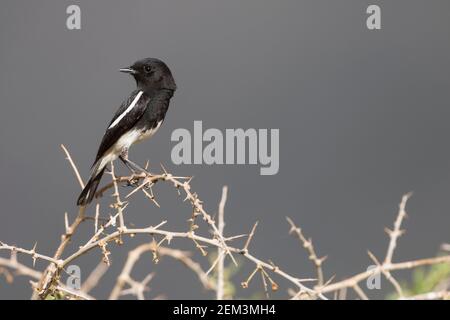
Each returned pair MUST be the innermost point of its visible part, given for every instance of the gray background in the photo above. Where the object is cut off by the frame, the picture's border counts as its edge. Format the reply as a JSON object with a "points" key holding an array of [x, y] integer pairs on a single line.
{"points": [[363, 119]]}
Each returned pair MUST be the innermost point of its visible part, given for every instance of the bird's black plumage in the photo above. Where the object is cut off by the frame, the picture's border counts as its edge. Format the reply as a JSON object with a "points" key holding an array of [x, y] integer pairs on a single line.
{"points": [[138, 117], [133, 116]]}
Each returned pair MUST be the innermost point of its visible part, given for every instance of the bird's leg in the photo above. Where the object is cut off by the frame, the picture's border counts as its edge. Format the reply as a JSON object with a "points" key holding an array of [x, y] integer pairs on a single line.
{"points": [[133, 167], [136, 166], [124, 158]]}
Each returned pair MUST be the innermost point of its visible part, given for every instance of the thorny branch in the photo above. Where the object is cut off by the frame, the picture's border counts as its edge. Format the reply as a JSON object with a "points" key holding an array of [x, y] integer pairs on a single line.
{"points": [[387, 266], [51, 273], [115, 230], [308, 245], [220, 252]]}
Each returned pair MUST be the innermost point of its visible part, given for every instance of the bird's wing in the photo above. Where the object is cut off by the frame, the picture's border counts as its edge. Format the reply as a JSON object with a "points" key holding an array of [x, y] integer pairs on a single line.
{"points": [[124, 119]]}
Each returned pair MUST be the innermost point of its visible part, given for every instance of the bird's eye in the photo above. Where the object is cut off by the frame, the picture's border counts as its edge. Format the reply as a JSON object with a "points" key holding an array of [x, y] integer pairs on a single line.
{"points": [[148, 69]]}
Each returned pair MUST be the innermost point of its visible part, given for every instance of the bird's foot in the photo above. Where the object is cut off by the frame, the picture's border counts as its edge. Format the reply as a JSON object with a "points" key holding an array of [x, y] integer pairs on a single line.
{"points": [[133, 182]]}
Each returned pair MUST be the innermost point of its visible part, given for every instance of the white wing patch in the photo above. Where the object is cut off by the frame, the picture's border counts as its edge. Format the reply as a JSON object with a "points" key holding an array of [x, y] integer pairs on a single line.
{"points": [[131, 106]]}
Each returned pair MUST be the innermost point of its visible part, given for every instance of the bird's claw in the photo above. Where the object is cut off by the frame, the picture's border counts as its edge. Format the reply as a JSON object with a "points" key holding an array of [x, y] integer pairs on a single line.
{"points": [[134, 182]]}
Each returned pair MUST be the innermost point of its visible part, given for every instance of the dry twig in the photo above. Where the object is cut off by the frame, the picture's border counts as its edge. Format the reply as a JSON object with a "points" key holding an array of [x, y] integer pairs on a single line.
{"points": [[110, 232]]}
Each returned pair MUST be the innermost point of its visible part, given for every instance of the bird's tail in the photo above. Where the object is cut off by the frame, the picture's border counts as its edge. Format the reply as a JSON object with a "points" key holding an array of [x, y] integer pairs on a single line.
{"points": [[89, 190]]}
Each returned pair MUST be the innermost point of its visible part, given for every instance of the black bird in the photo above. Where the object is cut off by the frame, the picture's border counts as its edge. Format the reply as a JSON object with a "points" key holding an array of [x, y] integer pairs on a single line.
{"points": [[138, 118]]}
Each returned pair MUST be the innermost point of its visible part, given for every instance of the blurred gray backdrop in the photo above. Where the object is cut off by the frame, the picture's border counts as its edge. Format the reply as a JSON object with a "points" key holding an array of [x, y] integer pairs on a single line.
{"points": [[363, 118]]}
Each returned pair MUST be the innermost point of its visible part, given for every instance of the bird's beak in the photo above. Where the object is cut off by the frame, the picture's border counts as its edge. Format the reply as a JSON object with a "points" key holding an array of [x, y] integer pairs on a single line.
{"points": [[128, 70]]}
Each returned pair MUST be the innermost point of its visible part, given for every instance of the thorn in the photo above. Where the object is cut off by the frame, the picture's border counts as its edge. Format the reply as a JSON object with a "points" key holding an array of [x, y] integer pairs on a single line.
{"points": [[66, 222], [252, 233], [330, 280], [236, 237], [33, 251], [141, 186], [321, 260], [97, 213], [388, 231], [164, 169], [160, 225], [374, 259]]}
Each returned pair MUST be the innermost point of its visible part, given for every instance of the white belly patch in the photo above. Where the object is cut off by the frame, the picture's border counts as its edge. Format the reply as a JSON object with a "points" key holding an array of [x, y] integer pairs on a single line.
{"points": [[126, 141]]}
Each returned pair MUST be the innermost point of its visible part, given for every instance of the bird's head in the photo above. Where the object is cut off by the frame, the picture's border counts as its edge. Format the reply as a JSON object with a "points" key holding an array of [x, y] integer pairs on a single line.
{"points": [[151, 74]]}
